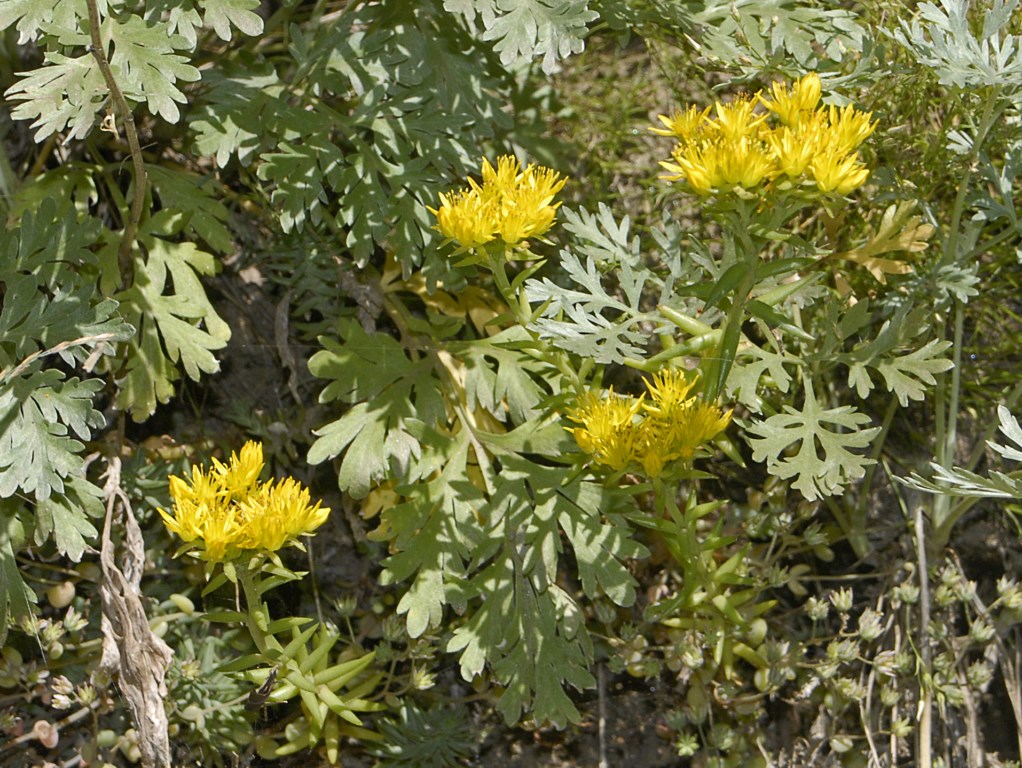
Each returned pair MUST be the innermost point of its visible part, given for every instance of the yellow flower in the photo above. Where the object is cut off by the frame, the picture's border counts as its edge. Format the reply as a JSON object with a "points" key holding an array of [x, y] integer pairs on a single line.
{"points": [[746, 165], [835, 171], [526, 207], [242, 472], [227, 511], [720, 166], [695, 426], [220, 532], [512, 204], [499, 179], [737, 120], [848, 128], [608, 432], [685, 126], [677, 423], [654, 448], [790, 105], [737, 148], [793, 150], [695, 164], [668, 392], [465, 217], [795, 147], [672, 425], [278, 513], [191, 514]]}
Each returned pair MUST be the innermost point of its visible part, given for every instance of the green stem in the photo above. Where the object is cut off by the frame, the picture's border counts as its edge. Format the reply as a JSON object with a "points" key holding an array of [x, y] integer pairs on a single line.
{"points": [[989, 245], [8, 181], [947, 395], [257, 617], [946, 455], [522, 310], [731, 334], [857, 524], [990, 116], [120, 104], [516, 303], [684, 545]]}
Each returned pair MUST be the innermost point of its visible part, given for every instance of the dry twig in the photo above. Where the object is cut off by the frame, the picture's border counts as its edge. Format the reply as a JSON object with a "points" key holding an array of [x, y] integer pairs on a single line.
{"points": [[133, 656]]}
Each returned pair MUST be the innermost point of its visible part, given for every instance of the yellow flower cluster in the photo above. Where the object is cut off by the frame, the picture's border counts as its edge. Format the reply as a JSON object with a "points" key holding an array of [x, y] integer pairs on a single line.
{"points": [[741, 148], [227, 510], [512, 204], [619, 431]]}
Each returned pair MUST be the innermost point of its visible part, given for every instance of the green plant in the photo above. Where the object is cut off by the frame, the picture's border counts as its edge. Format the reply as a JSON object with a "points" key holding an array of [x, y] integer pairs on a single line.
{"points": [[235, 525], [642, 429], [426, 738]]}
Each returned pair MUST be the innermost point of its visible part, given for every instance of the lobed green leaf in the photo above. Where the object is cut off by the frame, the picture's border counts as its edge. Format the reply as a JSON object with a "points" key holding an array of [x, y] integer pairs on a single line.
{"points": [[813, 429]]}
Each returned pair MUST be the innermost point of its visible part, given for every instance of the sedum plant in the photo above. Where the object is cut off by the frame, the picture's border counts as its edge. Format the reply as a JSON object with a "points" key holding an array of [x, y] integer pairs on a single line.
{"points": [[236, 524]]}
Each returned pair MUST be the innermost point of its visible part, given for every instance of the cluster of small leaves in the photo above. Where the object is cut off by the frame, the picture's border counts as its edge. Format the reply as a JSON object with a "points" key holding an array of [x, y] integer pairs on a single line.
{"points": [[424, 738], [813, 659], [209, 705], [390, 100], [842, 646], [67, 91], [959, 481], [45, 699], [588, 320], [521, 29], [754, 35], [295, 658], [943, 39], [165, 302], [177, 325], [330, 694]]}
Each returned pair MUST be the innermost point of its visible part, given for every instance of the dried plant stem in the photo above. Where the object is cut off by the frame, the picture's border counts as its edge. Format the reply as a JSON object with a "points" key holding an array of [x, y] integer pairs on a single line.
{"points": [[923, 750], [128, 121], [1011, 663], [8, 374], [132, 655]]}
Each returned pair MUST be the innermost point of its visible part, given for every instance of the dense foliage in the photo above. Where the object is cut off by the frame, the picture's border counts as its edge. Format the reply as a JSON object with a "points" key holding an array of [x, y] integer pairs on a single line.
{"points": [[717, 421]]}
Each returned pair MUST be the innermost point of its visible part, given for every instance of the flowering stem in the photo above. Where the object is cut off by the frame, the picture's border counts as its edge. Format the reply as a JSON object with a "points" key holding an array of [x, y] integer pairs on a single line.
{"points": [[948, 393], [720, 365], [684, 544], [522, 311], [256, 616], [518, 304]]}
